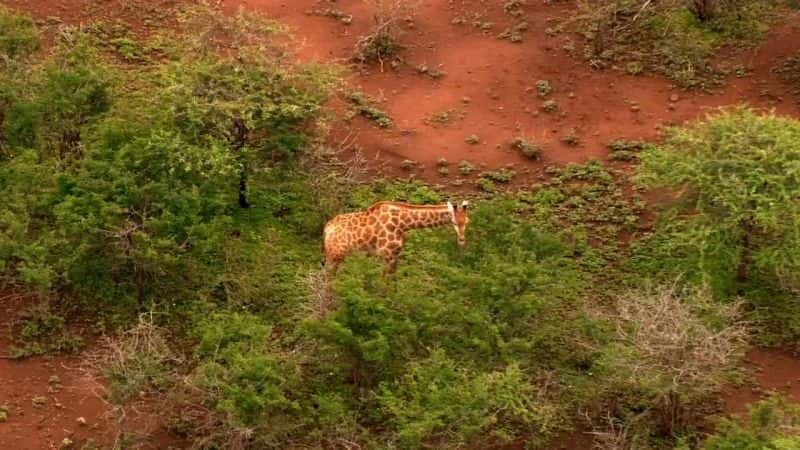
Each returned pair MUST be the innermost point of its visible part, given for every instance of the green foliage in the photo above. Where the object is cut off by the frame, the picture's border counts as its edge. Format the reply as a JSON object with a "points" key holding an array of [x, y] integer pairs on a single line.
{"points": [[19, 36], [246, 383], [499, 176], [676, 39], [484, 308], [170, 175], [627, 150], [736, 224], [773, 423], [363, 106], [113, 192], [412, 192], [438, 399], [44, 332]]}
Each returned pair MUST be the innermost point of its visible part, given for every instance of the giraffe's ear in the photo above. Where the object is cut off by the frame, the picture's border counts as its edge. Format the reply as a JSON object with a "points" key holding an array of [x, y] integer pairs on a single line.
{"points": [[464, 205]]}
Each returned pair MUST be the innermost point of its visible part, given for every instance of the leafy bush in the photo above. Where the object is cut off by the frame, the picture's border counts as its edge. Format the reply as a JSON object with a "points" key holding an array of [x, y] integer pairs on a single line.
{"points": [[487, 310], [43, 332], [18, 35], [773, 423], [736, 221], [437, 399], [251, 395], [136, 187]]}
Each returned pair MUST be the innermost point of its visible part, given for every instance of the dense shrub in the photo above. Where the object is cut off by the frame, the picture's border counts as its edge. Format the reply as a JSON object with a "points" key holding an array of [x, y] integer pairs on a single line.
{"points": [[186, 180], [773, 423], [19, 36], [736, 222], [135, 190]]}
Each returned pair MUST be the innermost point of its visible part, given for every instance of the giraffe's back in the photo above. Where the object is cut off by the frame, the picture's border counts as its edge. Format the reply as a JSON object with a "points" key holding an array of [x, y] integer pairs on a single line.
{"points": [[348, 232]]}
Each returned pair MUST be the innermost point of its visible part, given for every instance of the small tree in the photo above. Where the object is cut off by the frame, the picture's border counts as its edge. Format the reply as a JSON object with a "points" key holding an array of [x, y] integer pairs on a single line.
{"points": [[738, 178], [232, 89]]}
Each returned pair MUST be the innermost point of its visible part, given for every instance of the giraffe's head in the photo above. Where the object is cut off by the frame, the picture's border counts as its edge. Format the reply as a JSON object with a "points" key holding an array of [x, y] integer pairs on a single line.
{"points": [[460, 220]]}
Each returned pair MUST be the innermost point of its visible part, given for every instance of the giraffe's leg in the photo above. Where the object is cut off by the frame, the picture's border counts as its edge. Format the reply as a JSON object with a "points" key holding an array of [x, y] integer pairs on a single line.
{"points": [[390, 263], [332, 265]]}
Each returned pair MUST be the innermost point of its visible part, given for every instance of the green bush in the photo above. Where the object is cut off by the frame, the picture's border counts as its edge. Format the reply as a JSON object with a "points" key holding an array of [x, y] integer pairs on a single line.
{"points": [[137, 188], [18, 35], [43, 332], [253, 394], [502, 302], [436, 399], [735, 224], [677, 39], [773, 423]]}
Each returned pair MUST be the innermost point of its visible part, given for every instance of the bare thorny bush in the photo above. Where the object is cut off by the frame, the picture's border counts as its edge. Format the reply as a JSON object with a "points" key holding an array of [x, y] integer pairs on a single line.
{"points": [[383, 39], [138, 365], [676, 346], [137, 362], [666, 330]]}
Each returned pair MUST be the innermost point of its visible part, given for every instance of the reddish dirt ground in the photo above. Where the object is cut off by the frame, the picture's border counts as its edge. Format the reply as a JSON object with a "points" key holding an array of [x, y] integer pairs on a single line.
{"points": [[772, 370], [68, 393], [73, 407], [498, 79]]}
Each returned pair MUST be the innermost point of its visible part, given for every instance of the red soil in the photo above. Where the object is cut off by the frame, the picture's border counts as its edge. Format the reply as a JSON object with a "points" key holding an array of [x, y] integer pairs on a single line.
{"points": [[773, 371], [73, 406], [73, 396], [499, 79]]}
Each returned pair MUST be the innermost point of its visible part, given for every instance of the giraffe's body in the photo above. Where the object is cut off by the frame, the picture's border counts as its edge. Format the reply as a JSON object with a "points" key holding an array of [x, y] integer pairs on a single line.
{"points": [[381, 229]]}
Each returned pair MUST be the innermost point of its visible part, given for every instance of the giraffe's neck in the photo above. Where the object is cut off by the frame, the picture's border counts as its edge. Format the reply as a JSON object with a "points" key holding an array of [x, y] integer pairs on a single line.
{"points": [[426, 217]]}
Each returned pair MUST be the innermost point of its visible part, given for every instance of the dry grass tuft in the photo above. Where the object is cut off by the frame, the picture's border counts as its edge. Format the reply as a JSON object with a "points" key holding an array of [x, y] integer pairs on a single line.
{"points": [[383, 39]]}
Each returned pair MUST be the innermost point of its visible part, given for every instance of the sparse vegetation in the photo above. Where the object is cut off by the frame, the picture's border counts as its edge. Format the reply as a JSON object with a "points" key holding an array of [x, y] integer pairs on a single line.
{"points": [[434, 73], [363, 106], [543, 88], [676, 39], [529, 149], [622, 150], [499, 176], [383, 40], [514, 34], [571, 138], [465, 167], [549, 106], [472, 139], [334, 13], [445, 117]]}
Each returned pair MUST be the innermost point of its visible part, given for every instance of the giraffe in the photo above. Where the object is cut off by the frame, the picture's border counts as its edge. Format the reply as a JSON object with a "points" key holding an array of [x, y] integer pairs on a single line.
{"points": [[381, 229]]}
